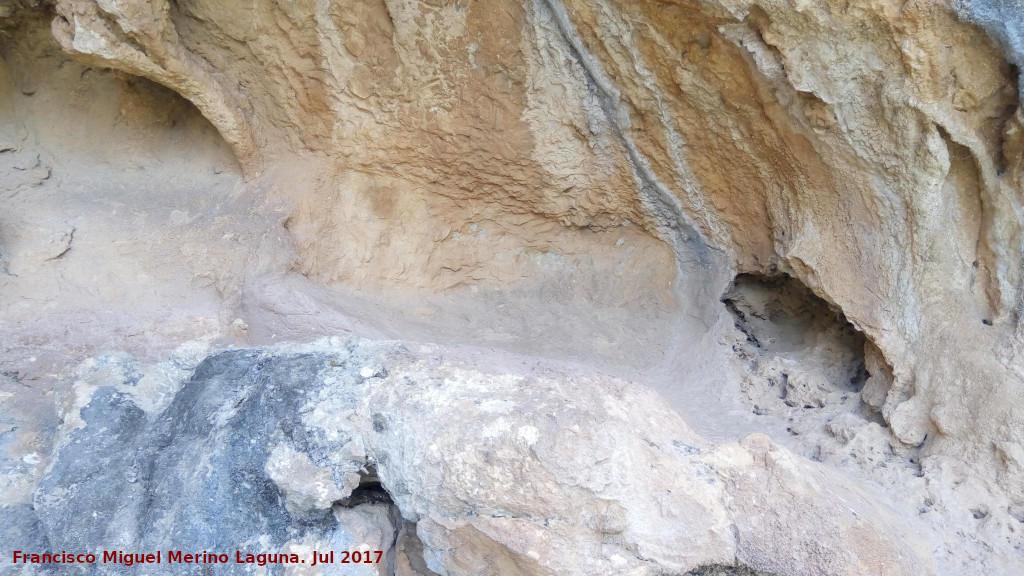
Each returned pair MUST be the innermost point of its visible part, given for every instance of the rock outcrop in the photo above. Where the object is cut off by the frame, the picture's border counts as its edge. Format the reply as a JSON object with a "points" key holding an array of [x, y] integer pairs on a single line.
{"points": [[495, 459], [802, 219]]}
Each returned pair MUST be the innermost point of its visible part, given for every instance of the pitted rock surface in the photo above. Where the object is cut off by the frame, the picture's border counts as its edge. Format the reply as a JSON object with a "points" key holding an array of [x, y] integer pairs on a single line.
{"points": [[260, 450]]}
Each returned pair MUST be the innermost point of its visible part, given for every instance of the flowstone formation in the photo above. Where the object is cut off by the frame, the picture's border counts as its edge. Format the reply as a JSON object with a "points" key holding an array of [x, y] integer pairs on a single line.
{"points": [[796, 226]]}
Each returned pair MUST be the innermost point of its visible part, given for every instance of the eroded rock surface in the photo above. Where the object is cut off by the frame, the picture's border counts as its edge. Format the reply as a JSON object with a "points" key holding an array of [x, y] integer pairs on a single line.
{"points": [[494, 458], [575, 180]]}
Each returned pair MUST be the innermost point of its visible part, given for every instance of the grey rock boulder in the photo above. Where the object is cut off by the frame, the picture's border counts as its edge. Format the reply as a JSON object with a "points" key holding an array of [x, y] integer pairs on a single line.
{"points": [[448, 462]]}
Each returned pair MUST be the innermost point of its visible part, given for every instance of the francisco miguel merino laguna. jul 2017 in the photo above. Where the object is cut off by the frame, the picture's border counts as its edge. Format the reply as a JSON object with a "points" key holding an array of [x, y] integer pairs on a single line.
{"points": [[179, 557]]}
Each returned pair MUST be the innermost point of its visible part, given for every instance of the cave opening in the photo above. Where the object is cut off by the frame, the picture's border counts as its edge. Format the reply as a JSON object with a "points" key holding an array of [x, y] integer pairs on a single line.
{"points": [[404, 551], [368, 491], [800, 350]]}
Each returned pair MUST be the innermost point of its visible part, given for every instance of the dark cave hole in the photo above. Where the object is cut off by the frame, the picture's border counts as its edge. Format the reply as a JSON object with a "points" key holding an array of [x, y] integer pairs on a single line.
{"points": [[406, 544], [779, 315], [369, 491]]}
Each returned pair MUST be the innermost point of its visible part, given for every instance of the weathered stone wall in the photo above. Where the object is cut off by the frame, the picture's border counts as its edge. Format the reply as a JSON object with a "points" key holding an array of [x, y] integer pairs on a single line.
{"points": [[260, 450], [634, 157]]}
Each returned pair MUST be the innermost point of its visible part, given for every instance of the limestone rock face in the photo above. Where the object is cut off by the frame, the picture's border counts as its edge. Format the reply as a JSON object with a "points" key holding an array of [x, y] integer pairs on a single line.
{"points": [[799, 222], [274, 451]]}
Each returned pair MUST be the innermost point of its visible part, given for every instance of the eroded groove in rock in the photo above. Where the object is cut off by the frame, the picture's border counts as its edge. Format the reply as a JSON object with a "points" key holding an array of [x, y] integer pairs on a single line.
{"points": [[687, 241]]}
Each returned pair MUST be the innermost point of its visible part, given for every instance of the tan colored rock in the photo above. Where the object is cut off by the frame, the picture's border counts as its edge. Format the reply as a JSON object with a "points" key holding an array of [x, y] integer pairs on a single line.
{"points": [[566, 178], [140, 38]]}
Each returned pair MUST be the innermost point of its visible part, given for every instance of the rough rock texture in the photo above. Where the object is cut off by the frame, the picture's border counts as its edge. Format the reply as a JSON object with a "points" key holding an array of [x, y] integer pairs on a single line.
{"points": [[262, 449], [585, 180]]}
